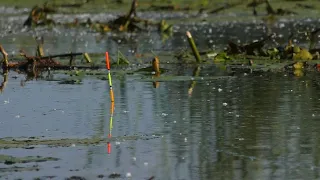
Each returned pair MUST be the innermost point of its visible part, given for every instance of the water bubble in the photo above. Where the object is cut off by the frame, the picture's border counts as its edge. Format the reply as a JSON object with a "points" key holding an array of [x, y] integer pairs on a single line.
{"points": [[128, 175], [6, 101], [134, 158], [174, 121], [117, 143], [164, 114], [225, 104], [219, 89], [281, 25], [17, 116], [185, 139], [145, 163]]}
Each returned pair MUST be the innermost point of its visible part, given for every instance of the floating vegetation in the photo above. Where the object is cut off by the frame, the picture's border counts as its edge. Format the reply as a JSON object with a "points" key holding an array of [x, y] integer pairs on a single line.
{"points": [[9, 160], [6, 143], [72, 81], [128, 22]]}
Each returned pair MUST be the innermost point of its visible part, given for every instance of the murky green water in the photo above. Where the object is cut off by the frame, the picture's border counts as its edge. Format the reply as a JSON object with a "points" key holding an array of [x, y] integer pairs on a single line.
{"points": [[244, 126]]}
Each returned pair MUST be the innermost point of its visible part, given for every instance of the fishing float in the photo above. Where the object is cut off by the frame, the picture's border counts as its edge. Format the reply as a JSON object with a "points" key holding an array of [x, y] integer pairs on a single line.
{"points": [[109, 76], [112, 102]]}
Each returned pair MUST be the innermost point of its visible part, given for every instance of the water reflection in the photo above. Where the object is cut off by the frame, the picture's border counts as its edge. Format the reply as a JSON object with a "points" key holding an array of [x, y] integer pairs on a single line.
{"points": [[248, 127], [196, 73], [4, 82], [252, 128], [110, 126]]}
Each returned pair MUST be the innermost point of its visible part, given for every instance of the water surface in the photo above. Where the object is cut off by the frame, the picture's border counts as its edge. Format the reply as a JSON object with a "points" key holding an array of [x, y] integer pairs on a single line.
{"points": [[246, 127]]}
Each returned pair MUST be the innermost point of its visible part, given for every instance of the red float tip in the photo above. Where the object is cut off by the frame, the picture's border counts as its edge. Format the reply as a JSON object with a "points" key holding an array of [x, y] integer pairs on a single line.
{"points": [[107, 61]]}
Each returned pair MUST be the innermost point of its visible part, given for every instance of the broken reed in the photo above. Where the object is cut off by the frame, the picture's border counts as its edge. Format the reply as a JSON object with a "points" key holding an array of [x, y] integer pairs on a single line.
{"points": [[193, 47], [156, 65], [5, 62]]}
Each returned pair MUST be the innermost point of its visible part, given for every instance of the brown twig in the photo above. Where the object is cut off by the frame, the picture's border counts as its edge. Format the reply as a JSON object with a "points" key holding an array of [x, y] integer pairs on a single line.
{"points": [[5, 62]]}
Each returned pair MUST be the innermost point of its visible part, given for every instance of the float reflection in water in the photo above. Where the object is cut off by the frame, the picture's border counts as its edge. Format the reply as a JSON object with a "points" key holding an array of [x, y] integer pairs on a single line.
{"points": [[110, 127]]}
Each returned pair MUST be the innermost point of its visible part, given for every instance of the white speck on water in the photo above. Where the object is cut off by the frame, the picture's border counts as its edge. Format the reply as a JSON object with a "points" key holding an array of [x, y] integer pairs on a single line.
{"points": [[134, 158], [128, 175], [164, 114], [117, 143], [6, 101], [192, 78], [282, 25], [145, 163], [185, 140], [174, 121], [73, 145], [313, 115], [219, 89], [241, 139], [125, 111], [213, 88], [180, 134], [237, 115], [225, 104]]}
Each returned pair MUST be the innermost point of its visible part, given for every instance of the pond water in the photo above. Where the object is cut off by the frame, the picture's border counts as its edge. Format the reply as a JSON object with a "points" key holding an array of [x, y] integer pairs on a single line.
{"points": [[244, 126]]}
